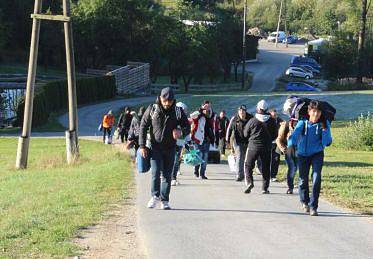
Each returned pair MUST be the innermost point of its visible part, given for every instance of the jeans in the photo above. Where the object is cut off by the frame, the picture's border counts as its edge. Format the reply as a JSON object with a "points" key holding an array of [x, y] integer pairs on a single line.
{"points": [[176, 167], [251, 157], [107, 131], [222, 144], [240, 154], [275, 161], [204, 148], [291, 161], [304, 163], [162, 161]]}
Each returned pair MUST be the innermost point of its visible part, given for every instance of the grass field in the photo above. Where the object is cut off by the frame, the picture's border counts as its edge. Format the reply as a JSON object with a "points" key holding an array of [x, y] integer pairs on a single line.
{"points": [[43, 207]]}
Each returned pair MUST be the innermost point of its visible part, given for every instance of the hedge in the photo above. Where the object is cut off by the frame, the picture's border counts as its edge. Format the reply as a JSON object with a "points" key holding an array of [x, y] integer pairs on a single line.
{"points": [[52, 97]]}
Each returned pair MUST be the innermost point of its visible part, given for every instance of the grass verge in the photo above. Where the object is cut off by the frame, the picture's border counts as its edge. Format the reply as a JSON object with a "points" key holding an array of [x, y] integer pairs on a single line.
{"points": [[44, 207]]}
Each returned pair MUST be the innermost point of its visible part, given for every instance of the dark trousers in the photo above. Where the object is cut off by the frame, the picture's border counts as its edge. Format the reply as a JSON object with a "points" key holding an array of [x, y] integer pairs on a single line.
{"points": [[222, 145], [275, 161], [177, 162], [291, 161], [251, 157], [107, 131], [305, 163], [123, 135], [162, 162]]}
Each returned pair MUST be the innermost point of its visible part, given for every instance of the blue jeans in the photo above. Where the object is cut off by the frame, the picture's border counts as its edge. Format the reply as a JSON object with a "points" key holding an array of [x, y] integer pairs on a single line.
{"points": [[291, 161], [177, 162], [204, 148], [162, 161], [305, 162]]}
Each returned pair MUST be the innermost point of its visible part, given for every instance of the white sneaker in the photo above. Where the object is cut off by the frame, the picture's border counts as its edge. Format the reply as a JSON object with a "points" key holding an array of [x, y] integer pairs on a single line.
{"points": [[177, 182], [173, 183], [274, 180], [179, 172], [165, 205], [153, 202]]}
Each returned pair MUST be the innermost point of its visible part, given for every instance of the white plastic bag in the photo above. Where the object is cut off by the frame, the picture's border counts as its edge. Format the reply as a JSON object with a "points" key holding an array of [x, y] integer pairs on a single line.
{"points": [[232, 163]]}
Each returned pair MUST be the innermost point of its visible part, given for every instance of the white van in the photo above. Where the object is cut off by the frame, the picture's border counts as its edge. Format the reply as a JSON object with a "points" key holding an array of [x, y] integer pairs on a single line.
{"points": [[272, 36]]}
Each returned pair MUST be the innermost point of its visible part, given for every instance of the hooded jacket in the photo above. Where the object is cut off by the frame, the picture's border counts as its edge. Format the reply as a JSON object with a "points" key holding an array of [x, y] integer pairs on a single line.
{"points": [[260, 132], [236, 127], [204, 127], [160, 123], [310, 138]]}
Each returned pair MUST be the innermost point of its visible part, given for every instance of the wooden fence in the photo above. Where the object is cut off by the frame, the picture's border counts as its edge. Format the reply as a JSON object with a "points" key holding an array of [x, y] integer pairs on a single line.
{"points": [[133, 78]]}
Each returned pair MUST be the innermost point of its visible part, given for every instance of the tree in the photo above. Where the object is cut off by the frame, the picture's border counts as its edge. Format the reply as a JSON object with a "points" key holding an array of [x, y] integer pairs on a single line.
{"points": [[361, 42]]}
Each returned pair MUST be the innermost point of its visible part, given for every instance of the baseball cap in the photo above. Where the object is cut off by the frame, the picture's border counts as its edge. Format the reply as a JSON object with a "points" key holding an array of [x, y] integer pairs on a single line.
{"points": [[262, 105], [242, 107], [167, 93]]}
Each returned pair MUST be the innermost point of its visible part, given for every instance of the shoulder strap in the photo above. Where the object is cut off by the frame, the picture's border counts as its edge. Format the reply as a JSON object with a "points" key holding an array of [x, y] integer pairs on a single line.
{"points": [[178, 113], [152, 111]]}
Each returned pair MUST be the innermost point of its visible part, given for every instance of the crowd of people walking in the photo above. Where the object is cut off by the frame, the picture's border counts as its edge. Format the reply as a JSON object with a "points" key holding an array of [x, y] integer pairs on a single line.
{"points": [[165, 129]]}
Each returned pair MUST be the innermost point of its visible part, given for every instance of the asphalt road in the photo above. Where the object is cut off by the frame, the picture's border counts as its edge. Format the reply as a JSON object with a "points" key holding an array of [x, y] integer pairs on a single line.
{"points": [[215, 219], [272, 62]]}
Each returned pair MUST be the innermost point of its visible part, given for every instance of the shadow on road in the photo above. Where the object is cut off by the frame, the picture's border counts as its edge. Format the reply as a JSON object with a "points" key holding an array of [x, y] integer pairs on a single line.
{"points": [[331, 214]]}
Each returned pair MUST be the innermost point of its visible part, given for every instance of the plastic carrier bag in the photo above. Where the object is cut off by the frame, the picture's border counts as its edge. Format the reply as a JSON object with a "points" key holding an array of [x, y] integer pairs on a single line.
{"points": [[192, 158], [232, 163], [143, 164]]}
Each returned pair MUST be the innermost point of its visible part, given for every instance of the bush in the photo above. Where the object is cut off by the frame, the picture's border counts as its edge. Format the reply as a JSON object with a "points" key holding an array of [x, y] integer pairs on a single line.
{"points": [[52, 97], [359, 134], [335, 86]]}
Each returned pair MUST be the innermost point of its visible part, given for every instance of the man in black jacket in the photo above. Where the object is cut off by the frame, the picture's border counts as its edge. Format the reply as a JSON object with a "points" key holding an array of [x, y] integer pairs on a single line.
{"points": [[260, 132], [165, 123], [223, 126], [239, 142], [124, 124]]}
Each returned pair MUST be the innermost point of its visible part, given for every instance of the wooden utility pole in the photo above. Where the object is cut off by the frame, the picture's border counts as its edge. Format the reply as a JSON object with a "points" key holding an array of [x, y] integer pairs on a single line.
{"points": [[360, 47], [286, 24], [278, 23], [244, 47], [72, 146]]}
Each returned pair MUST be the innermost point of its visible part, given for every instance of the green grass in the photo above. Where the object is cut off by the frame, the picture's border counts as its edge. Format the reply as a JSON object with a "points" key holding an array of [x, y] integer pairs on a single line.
{"points": [[44, 207], [22, 69]]}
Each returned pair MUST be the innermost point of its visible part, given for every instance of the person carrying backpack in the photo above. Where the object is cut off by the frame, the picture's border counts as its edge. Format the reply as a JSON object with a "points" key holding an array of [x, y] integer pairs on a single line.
{"points": [[107, 124], [285, 131], [235, 134], [311, 136], [124, 124], [260, 132], [162, 120], [275, 151]]}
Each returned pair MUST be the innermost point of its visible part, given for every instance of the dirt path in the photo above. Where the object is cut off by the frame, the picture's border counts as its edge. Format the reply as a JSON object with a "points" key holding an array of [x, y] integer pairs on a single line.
{"points": [[117, 235]]}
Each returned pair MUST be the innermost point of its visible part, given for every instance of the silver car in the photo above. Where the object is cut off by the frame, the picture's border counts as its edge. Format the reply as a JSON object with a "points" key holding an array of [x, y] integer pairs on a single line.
{"points": [[298, 72]]}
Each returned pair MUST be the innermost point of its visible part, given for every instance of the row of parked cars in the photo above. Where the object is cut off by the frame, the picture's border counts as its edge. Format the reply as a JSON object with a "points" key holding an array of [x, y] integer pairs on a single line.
{"points": [[290, 39], [302, 67]]}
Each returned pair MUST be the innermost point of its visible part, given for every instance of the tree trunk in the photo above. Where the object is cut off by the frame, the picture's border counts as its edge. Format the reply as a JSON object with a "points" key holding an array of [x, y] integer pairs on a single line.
{"points": [[360, 47]]}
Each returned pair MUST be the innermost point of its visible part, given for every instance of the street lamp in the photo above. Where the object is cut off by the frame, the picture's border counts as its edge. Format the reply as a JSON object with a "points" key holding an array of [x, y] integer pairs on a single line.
{"points": [[244, 46]]}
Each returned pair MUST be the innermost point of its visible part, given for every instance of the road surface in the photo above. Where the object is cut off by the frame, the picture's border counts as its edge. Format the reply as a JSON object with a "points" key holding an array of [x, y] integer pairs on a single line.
{"points": [[215, 219], [272, 62]]}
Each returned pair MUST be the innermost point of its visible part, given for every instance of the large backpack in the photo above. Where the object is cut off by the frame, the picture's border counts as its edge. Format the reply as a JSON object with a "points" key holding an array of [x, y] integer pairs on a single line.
{"points": [[297, 108]]}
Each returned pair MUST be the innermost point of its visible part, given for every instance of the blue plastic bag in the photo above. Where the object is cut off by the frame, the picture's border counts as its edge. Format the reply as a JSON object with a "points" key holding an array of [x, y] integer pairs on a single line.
{"points": [[193, 158], [143, 164]]}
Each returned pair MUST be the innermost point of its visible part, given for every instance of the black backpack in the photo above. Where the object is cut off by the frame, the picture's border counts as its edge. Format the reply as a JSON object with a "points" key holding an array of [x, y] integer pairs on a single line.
{"points": [[300, 110]]}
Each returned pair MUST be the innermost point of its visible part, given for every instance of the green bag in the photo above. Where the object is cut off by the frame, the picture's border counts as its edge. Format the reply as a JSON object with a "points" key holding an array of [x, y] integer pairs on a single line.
{"points": [[193, 158]]}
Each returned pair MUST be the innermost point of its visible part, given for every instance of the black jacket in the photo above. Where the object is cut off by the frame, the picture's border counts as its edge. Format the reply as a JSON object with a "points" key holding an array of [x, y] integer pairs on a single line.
{"points": [[161, 123], [124, 121], [260, 132], [236, 127], [223, 126]]}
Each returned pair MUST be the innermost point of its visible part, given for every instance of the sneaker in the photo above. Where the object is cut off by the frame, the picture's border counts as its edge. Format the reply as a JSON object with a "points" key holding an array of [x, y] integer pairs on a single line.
{"points": [[313, 212], [173, 183], [204, 177], [306, 208], [177, 182], [165, 205], [274, 180], [265, 192], [153, 202], [179, 172], [289, 191], [248, 189], [239, 179]]}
